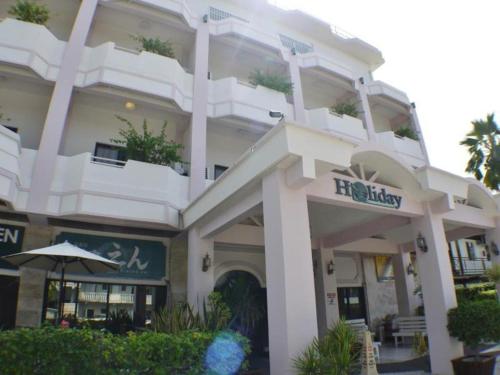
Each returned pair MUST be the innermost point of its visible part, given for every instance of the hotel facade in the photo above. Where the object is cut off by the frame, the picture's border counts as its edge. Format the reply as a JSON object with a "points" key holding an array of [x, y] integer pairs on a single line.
{"points": [[333, 215]]}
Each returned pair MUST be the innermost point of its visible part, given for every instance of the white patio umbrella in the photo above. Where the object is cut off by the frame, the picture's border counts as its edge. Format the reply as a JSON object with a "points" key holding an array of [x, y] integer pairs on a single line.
{"points": [[62, 258]]}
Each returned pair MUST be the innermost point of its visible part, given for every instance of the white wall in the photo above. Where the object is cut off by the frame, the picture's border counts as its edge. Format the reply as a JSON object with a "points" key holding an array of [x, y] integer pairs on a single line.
{"points": [[224, 147], [26, 105]]}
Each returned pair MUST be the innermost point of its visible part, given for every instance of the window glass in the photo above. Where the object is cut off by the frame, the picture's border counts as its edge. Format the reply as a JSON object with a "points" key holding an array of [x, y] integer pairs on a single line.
{"points": [[384, 268], [105, 151], [218, 170]]}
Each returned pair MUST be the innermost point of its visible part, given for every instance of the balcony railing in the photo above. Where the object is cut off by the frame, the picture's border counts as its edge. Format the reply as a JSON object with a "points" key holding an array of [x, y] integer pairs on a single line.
{"points": [[469, 267]]}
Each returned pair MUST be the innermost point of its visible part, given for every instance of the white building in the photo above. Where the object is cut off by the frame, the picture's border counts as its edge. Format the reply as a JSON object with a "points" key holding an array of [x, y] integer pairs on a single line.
{"points": [[309, 205]]}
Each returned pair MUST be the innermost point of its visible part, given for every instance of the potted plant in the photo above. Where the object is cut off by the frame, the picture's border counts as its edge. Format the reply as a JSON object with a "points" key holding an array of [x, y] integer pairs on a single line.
{"points": [[347, 108], [30, 11], [272, 81], [146, 146], [155, 45], [407, 132], [475, 323]]}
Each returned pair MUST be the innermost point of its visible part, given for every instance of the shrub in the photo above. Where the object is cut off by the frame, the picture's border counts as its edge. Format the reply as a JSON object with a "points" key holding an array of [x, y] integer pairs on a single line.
{"points": [[54, 351], [349, 109], [272, 81], [407, 132], [155, 45], [147, 147], [30, 11], [335, 354], [474, 322], [475, 292]]}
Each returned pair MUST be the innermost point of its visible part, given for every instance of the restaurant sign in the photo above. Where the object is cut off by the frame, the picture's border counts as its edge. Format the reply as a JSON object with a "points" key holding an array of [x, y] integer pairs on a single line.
{"points": [[138, 259], [369, 194], [11, 242]]}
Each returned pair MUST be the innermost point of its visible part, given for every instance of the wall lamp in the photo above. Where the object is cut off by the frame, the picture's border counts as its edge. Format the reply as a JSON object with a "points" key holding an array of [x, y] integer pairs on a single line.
{"points": [[422, 243], [330, 267], [207, 262], [277, 114], [410, 270]]}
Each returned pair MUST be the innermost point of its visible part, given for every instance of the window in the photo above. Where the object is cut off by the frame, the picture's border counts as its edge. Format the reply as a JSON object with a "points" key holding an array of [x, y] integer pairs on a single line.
{"points": [[105, 151], [124, 288], [90, 313], [383, 268], [471, 252], [12, 128], [218, 170]]}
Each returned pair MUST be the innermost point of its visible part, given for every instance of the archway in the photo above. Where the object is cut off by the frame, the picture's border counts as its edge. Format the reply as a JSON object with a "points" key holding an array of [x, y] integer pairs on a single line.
{"points": [[248, 303]]}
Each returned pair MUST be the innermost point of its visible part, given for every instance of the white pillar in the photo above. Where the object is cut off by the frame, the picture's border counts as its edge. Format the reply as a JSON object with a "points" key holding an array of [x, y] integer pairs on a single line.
{"points": [[298, 96], [438, 291], [367, 112], [289, 272], [493, 236], [198, 133], [405, 284], [326, 290], [416, 125], [45, 163], [199, 283]]}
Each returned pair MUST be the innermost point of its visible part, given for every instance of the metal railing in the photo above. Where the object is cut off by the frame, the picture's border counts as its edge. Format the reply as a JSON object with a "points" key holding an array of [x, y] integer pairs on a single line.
{"points": [[106, 161], [464, 266], [219, 15], [299, 47]]}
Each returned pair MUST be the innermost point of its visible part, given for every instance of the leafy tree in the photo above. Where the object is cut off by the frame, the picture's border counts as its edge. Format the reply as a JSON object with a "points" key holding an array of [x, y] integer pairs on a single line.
{"points": [[146, 146], [30, 11], [483, 143]]}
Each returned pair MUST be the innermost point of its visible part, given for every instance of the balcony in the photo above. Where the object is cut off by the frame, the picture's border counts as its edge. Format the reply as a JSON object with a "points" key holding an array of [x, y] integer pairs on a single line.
{"points": [[464, 267], [379, 88], [341, 125], [409, 149], [231, 97]]}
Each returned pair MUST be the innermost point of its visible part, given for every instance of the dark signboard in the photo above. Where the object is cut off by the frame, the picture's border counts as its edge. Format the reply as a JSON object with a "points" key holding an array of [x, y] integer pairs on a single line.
{"points": [[139, 259], [11, 242]]}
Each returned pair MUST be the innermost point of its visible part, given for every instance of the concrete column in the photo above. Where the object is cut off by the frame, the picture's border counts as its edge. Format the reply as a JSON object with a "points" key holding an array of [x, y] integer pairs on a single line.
{"points": [[418, 130], [438, 290], [493, 235], [298, 96], [199, 283], [289, 272], [198, 133], [367, 113], [30, 297], [405, 284], [45, 163], [326, 290]]}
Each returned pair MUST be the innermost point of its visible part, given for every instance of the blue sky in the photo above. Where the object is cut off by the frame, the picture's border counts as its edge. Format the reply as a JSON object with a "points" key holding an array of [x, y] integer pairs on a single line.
{"points": [[444, 54]]}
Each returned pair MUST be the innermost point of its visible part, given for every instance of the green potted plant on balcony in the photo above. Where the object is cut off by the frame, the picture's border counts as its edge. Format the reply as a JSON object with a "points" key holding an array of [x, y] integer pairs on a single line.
{"points": [[273, 81], [147, 147], [155, 45], [475, 323], [407, 132], [30, 11], [346, 108]]}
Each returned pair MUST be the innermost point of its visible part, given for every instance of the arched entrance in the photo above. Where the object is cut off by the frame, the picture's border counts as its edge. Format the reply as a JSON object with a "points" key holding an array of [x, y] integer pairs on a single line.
{"points": [[248, 303]]}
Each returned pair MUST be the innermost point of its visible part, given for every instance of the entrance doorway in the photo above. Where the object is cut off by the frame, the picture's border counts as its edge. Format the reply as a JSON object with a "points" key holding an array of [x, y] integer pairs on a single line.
{"points": [[247, 300], [352, 303], [9, 287]]}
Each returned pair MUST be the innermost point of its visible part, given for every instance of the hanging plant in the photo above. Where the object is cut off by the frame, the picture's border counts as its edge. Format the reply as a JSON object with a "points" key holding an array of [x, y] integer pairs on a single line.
{"points": [[30, 11]]}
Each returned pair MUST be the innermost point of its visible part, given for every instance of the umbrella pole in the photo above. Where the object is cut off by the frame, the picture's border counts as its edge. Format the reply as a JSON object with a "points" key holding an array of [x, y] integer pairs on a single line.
{"points": [[61, 293]]}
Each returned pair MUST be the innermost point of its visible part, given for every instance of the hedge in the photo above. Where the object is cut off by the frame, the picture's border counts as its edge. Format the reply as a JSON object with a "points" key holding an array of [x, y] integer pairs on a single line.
{"points": [[54, 351], [474, 292]]}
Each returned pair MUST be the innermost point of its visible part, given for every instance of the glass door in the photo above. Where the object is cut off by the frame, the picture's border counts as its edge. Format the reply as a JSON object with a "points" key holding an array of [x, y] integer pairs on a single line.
{"points": [[352, 303]]}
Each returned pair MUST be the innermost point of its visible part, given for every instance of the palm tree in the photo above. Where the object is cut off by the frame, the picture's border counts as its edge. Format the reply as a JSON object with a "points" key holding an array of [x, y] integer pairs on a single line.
{"points": [[484, 147]]}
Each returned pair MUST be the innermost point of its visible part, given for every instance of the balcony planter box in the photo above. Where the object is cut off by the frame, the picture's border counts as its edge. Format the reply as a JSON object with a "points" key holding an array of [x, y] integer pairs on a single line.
{"points": [[470, 365]]}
